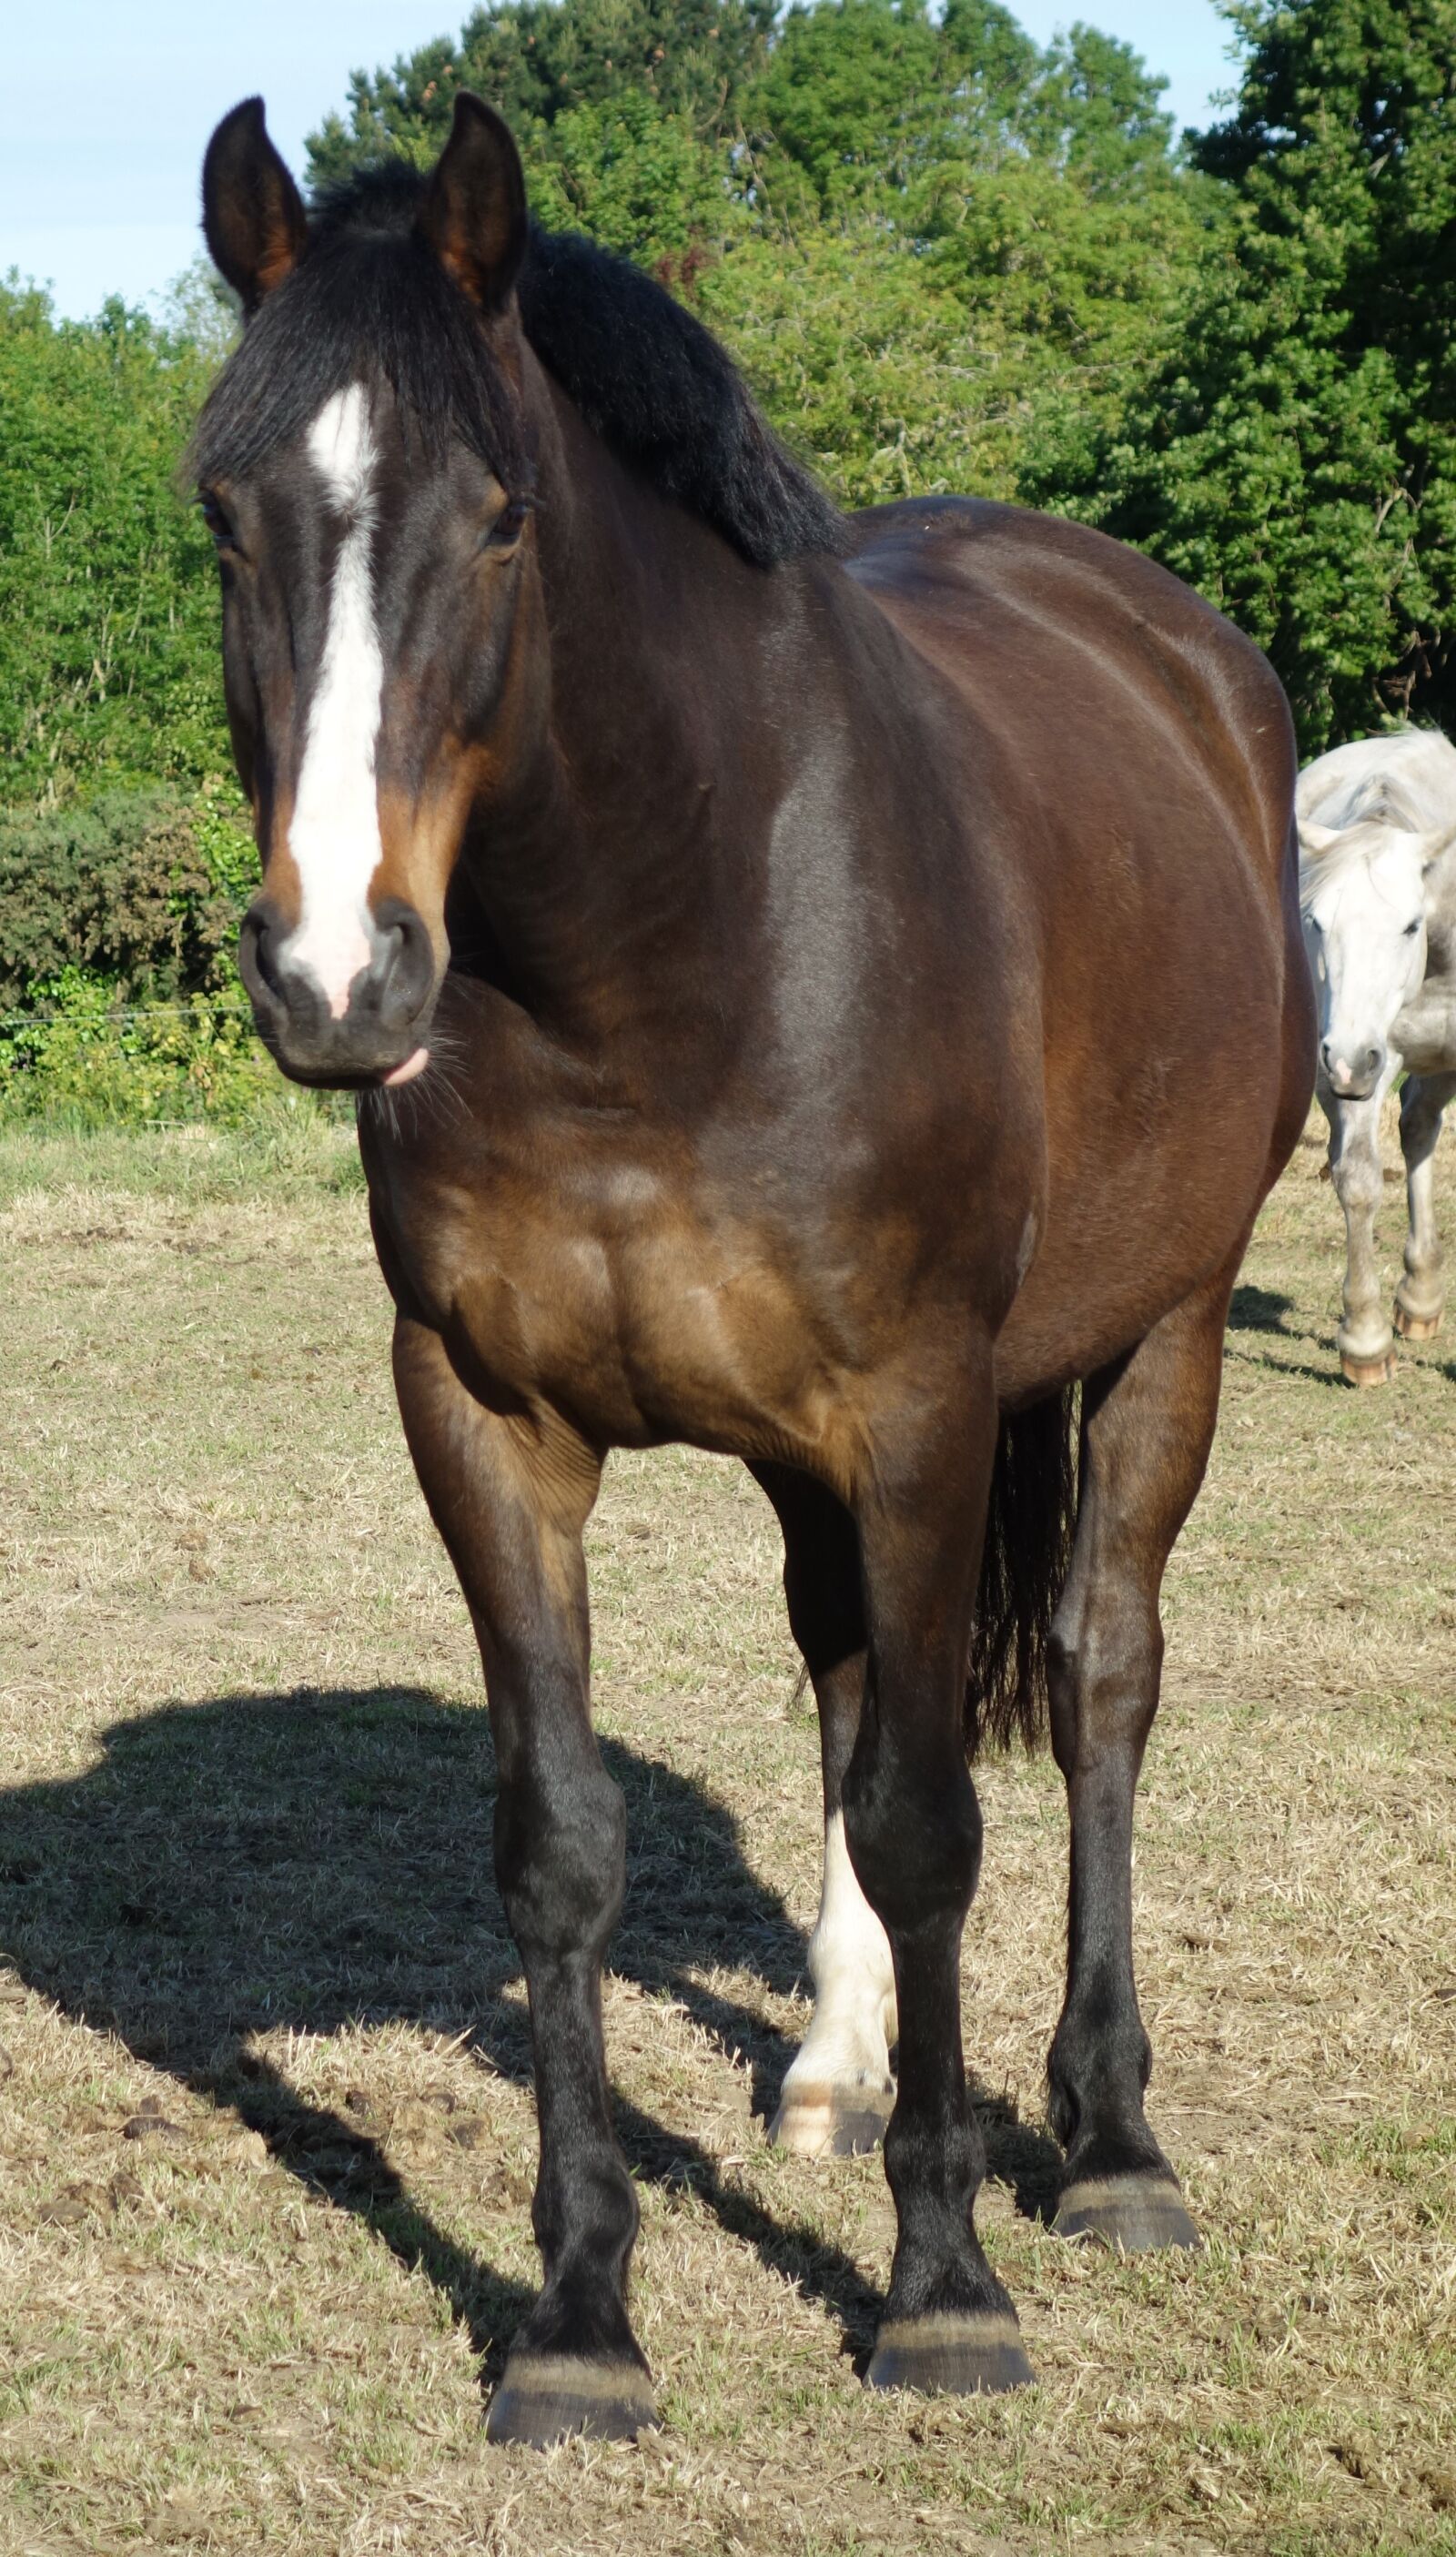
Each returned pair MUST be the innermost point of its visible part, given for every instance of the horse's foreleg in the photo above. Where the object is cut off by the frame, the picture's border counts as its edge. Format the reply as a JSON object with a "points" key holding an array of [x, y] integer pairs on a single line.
{"points": [[510, 1503], [1422, 1294], [838, 2094], [1146, 1429], [1367, 1350], [913, 1827]]}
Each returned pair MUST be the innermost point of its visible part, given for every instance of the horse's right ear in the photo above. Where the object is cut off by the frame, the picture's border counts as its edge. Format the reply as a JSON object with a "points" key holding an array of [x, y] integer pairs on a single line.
{"points": [[1315, 841], [473, 215], [253, 212]]}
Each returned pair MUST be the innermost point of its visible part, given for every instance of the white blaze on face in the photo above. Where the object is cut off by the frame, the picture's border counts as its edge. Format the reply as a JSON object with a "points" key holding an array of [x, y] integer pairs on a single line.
{"points": [[334, 835]]}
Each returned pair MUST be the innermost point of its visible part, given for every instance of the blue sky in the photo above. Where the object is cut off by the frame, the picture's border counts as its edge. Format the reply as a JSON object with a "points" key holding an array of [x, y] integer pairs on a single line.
{"points": [[104, 117]]}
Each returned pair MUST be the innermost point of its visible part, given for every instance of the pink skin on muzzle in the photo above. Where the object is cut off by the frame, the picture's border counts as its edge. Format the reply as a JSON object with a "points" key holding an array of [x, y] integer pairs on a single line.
{"points": [[407, 1072]]}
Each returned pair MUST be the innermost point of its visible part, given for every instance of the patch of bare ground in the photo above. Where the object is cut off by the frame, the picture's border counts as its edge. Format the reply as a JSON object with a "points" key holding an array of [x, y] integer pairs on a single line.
{"points": [[265, 2117]]}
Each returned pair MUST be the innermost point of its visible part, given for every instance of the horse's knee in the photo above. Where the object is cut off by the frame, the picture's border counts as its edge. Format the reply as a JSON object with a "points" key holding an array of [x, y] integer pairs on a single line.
{"points": [[915, 1835], [1359, 1181]]}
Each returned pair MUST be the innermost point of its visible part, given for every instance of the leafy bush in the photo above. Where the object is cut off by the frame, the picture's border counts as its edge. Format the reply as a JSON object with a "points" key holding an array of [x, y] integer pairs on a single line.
{"points": [[87, 1059], [120, 998], [134, 887]]}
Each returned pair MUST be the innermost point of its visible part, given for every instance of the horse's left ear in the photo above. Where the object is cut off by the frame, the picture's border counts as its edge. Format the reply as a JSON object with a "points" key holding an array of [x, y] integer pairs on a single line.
{"points": [[253, 212], [1315, 841], [473, 215]]}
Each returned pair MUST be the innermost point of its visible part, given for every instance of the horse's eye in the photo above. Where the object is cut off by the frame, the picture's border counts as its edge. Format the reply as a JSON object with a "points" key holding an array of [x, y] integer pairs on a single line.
{"points": [[1412, 928], [216, 519], [504, 534]]}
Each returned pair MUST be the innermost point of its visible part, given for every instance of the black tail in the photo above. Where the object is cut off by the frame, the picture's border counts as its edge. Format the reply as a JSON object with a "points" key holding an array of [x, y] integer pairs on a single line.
{"points": [[1028, 1546]]}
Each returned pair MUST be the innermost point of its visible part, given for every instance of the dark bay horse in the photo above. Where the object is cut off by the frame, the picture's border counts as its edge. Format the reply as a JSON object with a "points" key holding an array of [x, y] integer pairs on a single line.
{"points": [[821, 990]]}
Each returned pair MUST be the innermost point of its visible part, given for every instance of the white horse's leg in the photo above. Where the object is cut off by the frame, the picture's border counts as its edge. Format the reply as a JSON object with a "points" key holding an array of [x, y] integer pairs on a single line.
{"points": [[1421, 1292], [1367, 1349], [839, 2092]]}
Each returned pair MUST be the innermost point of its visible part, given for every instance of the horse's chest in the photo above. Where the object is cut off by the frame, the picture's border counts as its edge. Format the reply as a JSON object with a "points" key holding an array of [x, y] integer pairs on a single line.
{"points": [[632, 1311]]}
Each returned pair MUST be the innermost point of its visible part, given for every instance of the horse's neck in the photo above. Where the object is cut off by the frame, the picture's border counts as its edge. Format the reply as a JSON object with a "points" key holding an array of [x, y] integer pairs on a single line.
{"points": [[616, 873]]}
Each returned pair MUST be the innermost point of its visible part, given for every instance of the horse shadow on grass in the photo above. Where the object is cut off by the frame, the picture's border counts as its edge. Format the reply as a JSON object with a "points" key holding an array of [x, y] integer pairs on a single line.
{"points": [[1267, 1311], [323, 1858]]}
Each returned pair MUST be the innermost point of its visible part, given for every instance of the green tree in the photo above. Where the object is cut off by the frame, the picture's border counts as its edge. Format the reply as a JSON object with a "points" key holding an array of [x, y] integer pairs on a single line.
{"points": [[986, 238], [108, 642], [639, 178], [538, 60], [1293, 452], [865, 96]]}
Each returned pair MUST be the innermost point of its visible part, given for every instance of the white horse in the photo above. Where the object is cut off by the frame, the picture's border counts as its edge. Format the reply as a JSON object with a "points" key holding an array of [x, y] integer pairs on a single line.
{"points": [[1378, 895]]}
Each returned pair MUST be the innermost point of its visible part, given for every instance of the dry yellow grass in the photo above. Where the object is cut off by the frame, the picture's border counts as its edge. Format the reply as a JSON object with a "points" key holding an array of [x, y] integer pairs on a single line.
{"points": [[267, 2133]]}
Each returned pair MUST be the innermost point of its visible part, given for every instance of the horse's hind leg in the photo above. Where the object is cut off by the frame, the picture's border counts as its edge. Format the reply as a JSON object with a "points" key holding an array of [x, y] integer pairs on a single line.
{"points": [[1146, 1428], [914, 1833], [837, 2094], [510, 1505], [1422, 1294]]}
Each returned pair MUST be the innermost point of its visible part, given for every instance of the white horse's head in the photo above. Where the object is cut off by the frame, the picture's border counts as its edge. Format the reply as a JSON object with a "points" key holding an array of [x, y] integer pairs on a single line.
{"points": [[1362, 899]]}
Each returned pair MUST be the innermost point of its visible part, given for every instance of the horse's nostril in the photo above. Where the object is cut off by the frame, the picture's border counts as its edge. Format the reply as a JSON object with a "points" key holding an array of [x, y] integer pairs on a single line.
{"points": [[257, 951], [406, 974]]}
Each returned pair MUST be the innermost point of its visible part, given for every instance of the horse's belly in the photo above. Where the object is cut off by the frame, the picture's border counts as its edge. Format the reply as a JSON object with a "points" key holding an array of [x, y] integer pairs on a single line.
{"points": [[1151, 1188]]}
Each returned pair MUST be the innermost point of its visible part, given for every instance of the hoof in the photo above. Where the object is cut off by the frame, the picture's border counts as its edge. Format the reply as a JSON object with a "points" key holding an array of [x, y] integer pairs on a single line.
{"points": [[958, 2356], [1376, 1371], [1416, 1327], [1136, 2213], [545, 2395], [832, 2121]]}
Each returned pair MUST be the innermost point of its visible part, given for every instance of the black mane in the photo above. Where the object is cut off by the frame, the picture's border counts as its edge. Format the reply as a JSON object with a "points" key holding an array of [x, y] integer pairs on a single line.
{"points": [[661, 391], [645, 376]]}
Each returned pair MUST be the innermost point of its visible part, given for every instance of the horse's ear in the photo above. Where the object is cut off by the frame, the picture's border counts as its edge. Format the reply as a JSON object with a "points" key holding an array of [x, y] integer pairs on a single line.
{"points": [[473, 215], [1316, 841], [253, 212]]}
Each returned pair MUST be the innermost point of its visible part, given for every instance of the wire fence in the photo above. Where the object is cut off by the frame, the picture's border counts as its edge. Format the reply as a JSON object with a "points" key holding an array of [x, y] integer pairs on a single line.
{"points": [[86, 1054], [127, 1016]]}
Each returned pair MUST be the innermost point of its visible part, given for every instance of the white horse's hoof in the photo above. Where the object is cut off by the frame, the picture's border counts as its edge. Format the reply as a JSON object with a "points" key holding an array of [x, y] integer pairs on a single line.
{"points": [[832, 2121], [1376, 1371], [1415, 1327]]}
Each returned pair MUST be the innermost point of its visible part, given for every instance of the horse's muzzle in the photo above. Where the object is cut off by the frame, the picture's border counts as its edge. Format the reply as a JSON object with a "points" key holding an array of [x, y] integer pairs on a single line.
{"points": [[386, 1014], [1351, 1073]]}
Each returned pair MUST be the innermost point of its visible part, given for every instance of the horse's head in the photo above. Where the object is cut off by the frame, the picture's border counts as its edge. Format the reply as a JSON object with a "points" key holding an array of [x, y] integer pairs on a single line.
{"points": [[1361, 896], [363, 468]]}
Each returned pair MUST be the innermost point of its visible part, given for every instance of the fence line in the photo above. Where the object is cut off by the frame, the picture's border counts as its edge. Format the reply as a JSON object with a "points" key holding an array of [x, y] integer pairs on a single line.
{"points": [[124, 1013]]}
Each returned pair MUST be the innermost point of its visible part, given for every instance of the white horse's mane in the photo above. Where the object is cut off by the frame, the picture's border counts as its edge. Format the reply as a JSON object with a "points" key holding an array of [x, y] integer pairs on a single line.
{"points": [[1363, 841], [1378, 805]]}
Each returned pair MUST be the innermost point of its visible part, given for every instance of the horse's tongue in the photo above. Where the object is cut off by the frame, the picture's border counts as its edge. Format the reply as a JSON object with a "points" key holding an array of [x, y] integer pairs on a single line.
{"points": [[407, 1072]]}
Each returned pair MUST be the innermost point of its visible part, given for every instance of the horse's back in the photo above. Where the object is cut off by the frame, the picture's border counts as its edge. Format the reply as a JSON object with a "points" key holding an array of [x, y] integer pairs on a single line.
{"points": [[1074, 655]]}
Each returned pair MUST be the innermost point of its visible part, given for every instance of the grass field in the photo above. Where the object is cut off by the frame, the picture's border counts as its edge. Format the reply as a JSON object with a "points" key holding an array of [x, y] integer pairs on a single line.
{"points": [[265, 2123]]}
